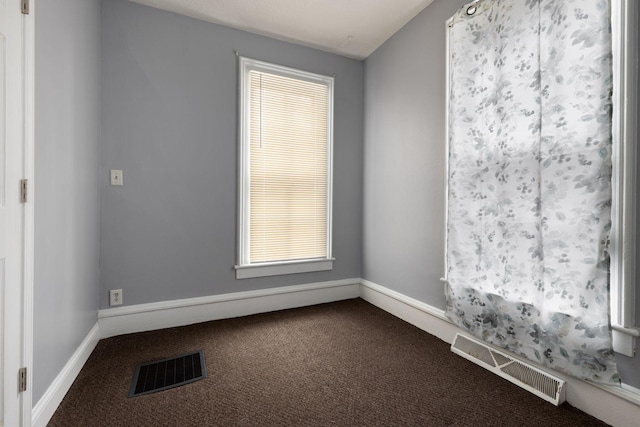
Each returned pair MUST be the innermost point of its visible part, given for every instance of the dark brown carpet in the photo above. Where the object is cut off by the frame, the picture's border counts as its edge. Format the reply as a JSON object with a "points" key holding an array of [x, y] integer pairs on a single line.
{"points": [[344, 364]]}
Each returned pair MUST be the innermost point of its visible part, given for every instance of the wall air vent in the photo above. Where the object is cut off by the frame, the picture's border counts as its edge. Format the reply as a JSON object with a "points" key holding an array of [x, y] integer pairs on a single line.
{"points": [[522, 374]]}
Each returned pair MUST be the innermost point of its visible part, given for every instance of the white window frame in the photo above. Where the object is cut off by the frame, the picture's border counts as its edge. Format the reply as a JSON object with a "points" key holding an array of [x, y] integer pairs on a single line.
{"points": [[622, 246], [623, 241], [245, 268]]}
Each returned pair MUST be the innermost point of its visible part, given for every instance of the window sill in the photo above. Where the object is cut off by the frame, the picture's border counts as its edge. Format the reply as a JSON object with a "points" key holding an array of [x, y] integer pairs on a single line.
{"points": [[280, 268], [624, 340]]}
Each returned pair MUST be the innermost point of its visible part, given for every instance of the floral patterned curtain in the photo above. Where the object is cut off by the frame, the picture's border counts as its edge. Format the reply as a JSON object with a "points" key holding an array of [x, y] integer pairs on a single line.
{"points": [[530, 180]]}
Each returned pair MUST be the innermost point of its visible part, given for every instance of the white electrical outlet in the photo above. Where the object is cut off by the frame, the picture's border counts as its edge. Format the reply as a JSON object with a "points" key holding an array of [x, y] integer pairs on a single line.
{"points": [[115, 297]]}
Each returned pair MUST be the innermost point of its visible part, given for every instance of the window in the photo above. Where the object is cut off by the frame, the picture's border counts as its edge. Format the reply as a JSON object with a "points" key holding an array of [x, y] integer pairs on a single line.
{"points": [[285, 170]]}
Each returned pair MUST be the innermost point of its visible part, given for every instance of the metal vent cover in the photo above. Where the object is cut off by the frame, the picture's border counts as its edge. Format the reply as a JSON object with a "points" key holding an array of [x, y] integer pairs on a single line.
{"points": [[522, 374], [151, 377]]}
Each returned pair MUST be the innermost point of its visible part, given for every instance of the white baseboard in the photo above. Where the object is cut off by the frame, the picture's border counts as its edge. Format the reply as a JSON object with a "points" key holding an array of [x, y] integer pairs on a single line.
{"points": [[167, 314], [49, 402], [618, 406], [418, 313]]}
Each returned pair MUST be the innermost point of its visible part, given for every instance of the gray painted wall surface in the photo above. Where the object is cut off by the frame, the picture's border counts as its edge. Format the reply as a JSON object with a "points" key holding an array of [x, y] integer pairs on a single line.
{"points": [[67, 95], [404, 163], [404, 154], [169, 121]]}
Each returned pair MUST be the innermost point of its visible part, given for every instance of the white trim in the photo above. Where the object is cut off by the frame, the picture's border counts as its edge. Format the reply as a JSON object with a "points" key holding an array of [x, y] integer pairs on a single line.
{"points": [[634, 332], [279, 268], [29, 211], [245, 65], [613, 405], [424, 307], [243, 160], [623, 245], [447, 135], [167, 314], [635, 392], [330, 121], [626, 392], [49, 402], [426, 317], [623, 340]]}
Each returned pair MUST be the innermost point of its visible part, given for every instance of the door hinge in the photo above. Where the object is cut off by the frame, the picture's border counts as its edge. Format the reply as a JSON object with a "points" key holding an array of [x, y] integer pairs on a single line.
{"points": [[25, 7], [22, 380], [24, 191]]}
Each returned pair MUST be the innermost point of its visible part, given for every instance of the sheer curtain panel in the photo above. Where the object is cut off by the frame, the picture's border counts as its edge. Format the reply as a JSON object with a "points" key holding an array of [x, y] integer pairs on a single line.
{"points": [[529, 185]]}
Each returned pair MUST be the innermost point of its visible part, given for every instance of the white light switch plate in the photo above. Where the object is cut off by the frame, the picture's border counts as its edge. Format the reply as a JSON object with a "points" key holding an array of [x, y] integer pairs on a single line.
{"points": [[116, 177]]}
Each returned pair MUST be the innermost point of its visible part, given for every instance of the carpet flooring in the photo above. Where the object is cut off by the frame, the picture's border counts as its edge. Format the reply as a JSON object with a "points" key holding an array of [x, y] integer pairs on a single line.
{"points": [[346, 363]]}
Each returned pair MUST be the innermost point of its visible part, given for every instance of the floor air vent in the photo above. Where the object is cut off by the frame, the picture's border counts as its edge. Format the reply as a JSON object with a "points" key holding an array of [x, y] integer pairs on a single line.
{"points": [[532, 379], [168, 373]]}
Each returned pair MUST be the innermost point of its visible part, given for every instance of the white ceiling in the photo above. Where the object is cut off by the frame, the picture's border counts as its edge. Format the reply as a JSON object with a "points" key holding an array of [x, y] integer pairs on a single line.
{"points": [[352, 28]]}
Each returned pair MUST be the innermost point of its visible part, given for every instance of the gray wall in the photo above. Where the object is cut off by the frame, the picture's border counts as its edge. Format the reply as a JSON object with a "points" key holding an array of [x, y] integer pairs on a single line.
{"points": [[404, 163], [404, 154], [67, 95], [169, 120]]}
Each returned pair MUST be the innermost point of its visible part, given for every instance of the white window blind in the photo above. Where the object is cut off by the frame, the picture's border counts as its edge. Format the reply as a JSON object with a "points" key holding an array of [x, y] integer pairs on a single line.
{"points": [[286, 145]]}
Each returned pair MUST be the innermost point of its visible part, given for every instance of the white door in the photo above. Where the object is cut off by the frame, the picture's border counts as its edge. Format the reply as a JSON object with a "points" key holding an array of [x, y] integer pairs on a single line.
{"points": [[12, 146]]}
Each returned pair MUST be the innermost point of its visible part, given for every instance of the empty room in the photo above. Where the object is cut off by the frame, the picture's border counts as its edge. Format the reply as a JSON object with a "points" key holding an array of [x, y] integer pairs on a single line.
{"points": [[318, 212]]}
